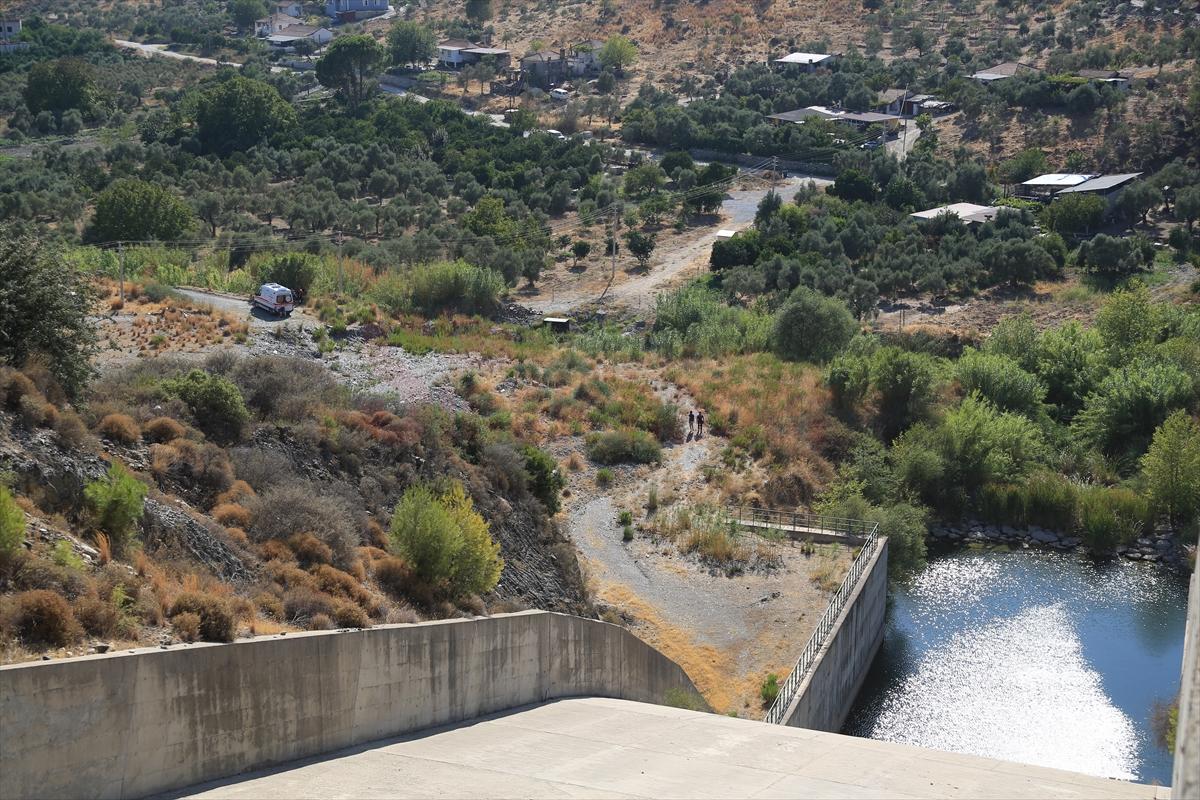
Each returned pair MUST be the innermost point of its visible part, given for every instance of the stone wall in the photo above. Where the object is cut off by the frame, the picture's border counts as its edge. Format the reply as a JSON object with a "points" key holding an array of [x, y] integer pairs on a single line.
{"points": [[828, 692], [1185, 781], [143, 721]]}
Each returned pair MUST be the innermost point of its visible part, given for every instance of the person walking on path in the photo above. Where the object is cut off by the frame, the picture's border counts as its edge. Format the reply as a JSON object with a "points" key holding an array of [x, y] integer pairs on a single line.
{"points": [[691, 421], [699, 424]]}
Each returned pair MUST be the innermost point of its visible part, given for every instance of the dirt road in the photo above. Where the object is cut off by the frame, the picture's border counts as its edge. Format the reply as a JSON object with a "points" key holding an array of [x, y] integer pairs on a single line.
{"points": [[727, 631], [668, 267]]}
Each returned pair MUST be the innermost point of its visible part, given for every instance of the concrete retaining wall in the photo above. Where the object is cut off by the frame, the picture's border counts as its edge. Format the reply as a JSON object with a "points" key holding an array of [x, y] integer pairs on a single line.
{"points": [[144, 721], [827, 694], [1185, 781]]}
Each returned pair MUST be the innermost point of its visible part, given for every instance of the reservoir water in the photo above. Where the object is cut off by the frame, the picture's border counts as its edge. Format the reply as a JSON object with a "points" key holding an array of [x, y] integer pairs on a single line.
{"points": [[1042, 658]]}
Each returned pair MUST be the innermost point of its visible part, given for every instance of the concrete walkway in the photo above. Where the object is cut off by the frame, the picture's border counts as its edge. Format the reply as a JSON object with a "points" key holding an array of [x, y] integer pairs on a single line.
{"points": [[593, 747]]}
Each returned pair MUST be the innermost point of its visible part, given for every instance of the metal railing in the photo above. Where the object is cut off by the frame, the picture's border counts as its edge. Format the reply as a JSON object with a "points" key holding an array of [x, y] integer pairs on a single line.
{"points": [[800, 522], [787, 691]]}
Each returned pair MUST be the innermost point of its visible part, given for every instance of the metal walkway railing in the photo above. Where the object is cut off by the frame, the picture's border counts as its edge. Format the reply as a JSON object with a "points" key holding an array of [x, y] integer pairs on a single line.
{"points": [[800, 522], [870, 533]]}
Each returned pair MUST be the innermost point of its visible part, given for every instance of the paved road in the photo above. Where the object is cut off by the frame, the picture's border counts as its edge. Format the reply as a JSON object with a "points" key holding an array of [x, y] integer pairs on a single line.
{"points": [[903, 144], [600, 747]]}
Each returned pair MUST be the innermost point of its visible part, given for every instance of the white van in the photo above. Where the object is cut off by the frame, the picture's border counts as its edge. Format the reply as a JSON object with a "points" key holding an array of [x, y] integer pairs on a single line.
{"points": [[274, 298], [560, 94]]}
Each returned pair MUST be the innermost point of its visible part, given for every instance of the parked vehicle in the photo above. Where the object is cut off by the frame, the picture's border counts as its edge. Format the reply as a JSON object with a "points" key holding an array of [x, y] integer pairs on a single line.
{"points": [[274, 298], [561, 94]]}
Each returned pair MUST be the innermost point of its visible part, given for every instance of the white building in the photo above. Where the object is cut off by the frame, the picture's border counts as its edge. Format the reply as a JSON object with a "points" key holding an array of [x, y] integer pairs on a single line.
{"points": [[289, 36], [807, 62], [969, 213], [274, 24]]}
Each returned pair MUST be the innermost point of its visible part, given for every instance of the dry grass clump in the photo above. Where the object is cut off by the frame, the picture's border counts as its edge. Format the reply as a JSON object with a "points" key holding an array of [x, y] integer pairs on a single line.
{"points": [[217, 621], [238, 491], [186, 626], [25, 393], [231, 515], [163, 429], [282, 511], [310, 550], [200, 470], [785, 405], [119, 428], [98, 617], [575, 462], [42, 617], [393, 575]]}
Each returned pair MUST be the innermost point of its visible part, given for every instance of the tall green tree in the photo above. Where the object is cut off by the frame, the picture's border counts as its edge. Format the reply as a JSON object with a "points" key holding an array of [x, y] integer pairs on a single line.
{"points": [[59, 85], [1172, 468], [245, 12], [134, 210], [1075, 213], [239, 114], [811, 327], [618, 53], [44, 307], [349, 65], [411, 43], [641, 245], [478, 11]]}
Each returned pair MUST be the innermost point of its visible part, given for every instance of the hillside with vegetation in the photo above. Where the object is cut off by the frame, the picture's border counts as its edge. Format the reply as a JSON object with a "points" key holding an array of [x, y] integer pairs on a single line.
{"points": [[415, 443]]}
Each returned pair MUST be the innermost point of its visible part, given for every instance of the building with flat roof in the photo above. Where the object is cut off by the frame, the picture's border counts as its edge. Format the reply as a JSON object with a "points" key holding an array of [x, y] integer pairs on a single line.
{"points": [[1004, 71], [806, 62], [969, 213], [1043, 187], [1108, 187]]}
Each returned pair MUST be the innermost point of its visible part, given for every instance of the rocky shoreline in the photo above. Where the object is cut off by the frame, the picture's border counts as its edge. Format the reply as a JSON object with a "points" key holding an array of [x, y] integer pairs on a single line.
{"points": [[1161, 547]]}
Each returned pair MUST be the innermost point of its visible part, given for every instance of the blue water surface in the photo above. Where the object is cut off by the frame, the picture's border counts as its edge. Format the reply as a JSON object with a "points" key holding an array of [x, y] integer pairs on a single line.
{"points": [[1037, 657]]}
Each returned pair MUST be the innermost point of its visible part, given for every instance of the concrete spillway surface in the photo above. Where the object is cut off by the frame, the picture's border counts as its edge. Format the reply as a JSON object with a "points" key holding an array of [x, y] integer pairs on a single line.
{"points": [[592, 747]]}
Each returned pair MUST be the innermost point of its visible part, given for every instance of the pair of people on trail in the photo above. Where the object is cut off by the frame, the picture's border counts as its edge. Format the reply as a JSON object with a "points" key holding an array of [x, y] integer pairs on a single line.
{"points": [[696, 422]]}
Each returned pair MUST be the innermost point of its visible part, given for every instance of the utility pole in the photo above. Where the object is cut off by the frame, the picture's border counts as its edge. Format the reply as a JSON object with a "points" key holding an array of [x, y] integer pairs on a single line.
{"points": [[612, 276], [121, 258]]}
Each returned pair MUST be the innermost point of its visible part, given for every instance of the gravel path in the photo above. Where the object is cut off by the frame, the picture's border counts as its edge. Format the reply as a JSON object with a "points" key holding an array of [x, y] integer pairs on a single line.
{"points": [[726, 631]]}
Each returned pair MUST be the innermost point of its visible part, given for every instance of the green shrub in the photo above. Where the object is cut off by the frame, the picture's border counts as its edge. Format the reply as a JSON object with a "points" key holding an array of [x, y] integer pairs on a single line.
{"points": [[215, 403], [65, 556], [455, 286], [604, 477], [1172, 468], [12, 524], [811, 327], [624, 446], [1045, 498], [445, 541], [769, 690], [157, 292], [546, 481], [627, 533], [1109, 516], [117, 503], [217, 622], [625, 517], [296, 271], [1001, 380], [676, 697]]}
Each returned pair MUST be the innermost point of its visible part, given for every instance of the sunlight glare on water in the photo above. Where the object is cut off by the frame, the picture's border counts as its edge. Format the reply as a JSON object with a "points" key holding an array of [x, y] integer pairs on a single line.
{"points": [[1036, 657], [988, 691]]}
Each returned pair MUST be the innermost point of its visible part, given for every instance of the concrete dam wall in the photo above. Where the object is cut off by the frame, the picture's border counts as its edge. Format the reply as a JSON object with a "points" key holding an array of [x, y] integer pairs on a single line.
{"points": [[138, 722], [827, 693], [1186, 774]]}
